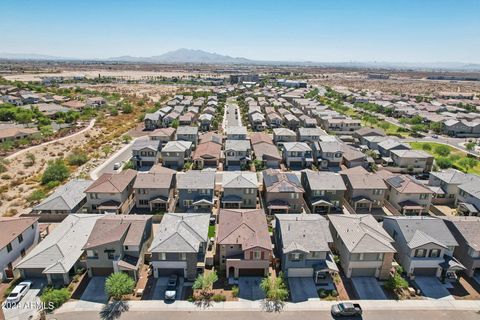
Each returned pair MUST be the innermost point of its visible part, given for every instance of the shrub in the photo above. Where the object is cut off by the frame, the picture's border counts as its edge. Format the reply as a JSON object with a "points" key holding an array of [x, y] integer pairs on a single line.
{"points": [[219, 297], [322, 293], [77, 157], [56, 171], [444, 162], [127, 108], [126, 138], [442, 150], [334, 293], [54, 298], [52, 184], [235, 291], [426, 147], [36, 196], [118, 285], [396, 282]]}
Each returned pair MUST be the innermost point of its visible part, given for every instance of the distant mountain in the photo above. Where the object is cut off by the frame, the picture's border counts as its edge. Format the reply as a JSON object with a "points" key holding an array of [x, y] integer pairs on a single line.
{"points": [[186, 56], [31, 56]]}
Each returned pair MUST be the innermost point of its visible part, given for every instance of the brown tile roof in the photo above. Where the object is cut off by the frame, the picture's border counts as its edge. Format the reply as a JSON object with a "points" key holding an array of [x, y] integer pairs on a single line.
{"points": [[113, 228], [266, 151], [12, 132], [211, 137], [245, 227], [405, 184], [278, 181], [113, 183], [366, 181], [12, 227], [162, 132], [152, 180], [207, 150], [158, 168], [260, 137]]}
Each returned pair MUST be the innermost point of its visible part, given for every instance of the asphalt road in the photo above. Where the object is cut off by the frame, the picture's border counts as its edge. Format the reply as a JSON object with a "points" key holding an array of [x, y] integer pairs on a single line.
{"points": [[291, 315]]}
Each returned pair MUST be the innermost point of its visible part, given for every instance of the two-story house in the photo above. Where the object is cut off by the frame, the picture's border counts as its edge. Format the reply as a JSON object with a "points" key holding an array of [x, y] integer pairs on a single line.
{"points": [[328, 153], [19, 235], [364, 247], [174, 154], [154, 191], [309, 135], [145, 153], [448, 182], [164, 135], [297, 154], [188, 133], [112, 193], [117, 244], [237, 153], [411, 161], [196, 190], [180, 244], [302, 242], [324, 191], [243, 246], [424, 246], [283, 192], [281, 135], [239, 189], [408, 196], [236, 133], [466, 232], [365, 191]]}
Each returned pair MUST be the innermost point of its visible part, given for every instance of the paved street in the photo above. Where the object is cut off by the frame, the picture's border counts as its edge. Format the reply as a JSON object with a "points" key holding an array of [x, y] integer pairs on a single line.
{"points": [[245, 315]]}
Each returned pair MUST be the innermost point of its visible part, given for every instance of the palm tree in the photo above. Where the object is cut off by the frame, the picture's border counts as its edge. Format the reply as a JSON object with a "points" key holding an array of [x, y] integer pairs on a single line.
{"points": [[276, 292]]}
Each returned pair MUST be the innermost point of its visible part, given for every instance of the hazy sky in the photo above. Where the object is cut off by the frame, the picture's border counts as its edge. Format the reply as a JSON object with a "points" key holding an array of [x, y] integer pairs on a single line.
{"points": [[323, 31]]}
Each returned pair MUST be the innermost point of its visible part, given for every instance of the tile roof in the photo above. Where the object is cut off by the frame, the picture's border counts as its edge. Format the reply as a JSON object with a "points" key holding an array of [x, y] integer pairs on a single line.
{"points": [[239, 179], [195, 179], [152, 180], [113, 183], [405, 184], [278, 181], [177, 146], [13, 227], [324, 180], [208, 150], [468, 227], [65, 197]]}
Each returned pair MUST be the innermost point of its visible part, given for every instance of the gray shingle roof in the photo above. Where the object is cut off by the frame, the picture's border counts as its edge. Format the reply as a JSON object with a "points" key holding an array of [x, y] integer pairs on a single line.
{"points": [[296, 146], [239, 179], [324, 180], [181, 232], [177, 146], [195, 179], [237, 145], [304, 232], [143, 144], [65, 197], [187, 130]]}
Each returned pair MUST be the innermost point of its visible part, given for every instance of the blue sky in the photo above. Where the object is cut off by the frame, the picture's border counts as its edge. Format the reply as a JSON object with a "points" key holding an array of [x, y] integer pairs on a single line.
{"points": [[331, 31]]}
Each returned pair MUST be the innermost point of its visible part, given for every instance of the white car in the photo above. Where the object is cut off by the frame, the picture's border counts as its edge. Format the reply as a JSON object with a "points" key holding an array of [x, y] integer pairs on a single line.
{"points": [[171, 291], [18, 292], [117, 165]]}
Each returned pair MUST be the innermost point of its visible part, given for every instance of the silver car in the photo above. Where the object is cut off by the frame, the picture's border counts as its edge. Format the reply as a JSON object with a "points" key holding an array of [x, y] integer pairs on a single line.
{"points": [[171, 291], [18, 293]]}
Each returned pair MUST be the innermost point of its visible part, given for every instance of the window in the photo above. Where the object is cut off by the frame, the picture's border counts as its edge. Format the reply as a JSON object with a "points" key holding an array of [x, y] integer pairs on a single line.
{"points": [[187, 203], [294, 195], [377, 191], [420, 253], [423, 196], [110, 254], [294, 256], [93, 254], [257, 255], [143, 202], [9, 247], [434, 253], [20, 238], [183, 256], [162, 256], [315, 254]]}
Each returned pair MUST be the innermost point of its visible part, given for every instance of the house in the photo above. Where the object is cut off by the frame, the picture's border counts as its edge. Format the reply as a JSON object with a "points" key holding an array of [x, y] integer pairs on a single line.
{"points": [[207, 154], [341, 125], [145, 153], [243, 246], [112, 193], [324, 191], [196, 190], [468, 198], [461, 128], [297, 154], [281, 135], [385, 147], [328, 153], [180, 244], [239, 189], [236, 133], [408, 196], [153, 120], [187, 118], [411, 161], [205, 121], [365, 132], [291, 121], [174, 153], [188, 133], [364, 247], [118, 244], [211, 137], [448, 181], [465, 230], [364, 190], [67, 199], [154, 191], [169, 118], [283, 192], [12, 134], [274, 120], [267, 153], [424, 246], [309, 135], [18, 236], [164, 135], [237, 153], [257, 121], [59, 255], [303, 242]]}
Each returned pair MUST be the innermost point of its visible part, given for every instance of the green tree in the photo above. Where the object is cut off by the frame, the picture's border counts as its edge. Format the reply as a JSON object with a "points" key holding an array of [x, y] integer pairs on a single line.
{"points": [[442, 150], [470, 146], [396, 283], [126, 138], [175, 123], [427, 146], [77, 157], [444, 162], [56, 171], [468, 162], [119, 284], [436, 127], [54, 298], [204, 282], [276, 292]]}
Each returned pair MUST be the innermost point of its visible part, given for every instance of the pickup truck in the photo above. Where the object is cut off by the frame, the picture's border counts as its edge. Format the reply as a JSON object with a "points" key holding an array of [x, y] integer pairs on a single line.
{"points": [[346, 309]]}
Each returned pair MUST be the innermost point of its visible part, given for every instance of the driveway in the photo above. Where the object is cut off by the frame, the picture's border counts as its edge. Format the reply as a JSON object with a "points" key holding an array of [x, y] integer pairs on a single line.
{"points": [[432, 288], [249, 288], [302, 289], [95, 290], [160, 286], [28, 307], [368, 288]]}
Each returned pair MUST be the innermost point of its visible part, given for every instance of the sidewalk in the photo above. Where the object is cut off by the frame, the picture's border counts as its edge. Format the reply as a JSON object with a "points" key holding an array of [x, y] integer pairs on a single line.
{"points": [[367, 305]]}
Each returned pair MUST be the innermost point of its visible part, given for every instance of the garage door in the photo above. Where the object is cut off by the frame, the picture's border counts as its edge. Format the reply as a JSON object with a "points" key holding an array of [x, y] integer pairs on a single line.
{"points": [[148, 163], [251, 272], [169, 272], [102, 272], [364, 272], [33, 273], [170, 164], [210, 163], [233, 163], [300, 272], [425, 271]]}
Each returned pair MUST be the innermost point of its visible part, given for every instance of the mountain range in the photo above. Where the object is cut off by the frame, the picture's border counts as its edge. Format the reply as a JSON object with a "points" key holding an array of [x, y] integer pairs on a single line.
{"points": [[191, 56]]}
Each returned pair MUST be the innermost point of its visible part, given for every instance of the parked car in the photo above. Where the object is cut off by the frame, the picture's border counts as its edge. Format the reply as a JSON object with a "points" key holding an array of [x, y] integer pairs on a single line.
{"points": [[18, 293], [171, 291], [422, 176], [346, 309], [117, 165]]}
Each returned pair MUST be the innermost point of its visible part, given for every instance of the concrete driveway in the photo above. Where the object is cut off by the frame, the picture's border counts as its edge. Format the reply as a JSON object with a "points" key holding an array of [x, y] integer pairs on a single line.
{"points": [[250, 288], [302, 289], [432, 288], [368, 288], [160, 286], [95, 290], [26, 309]]}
